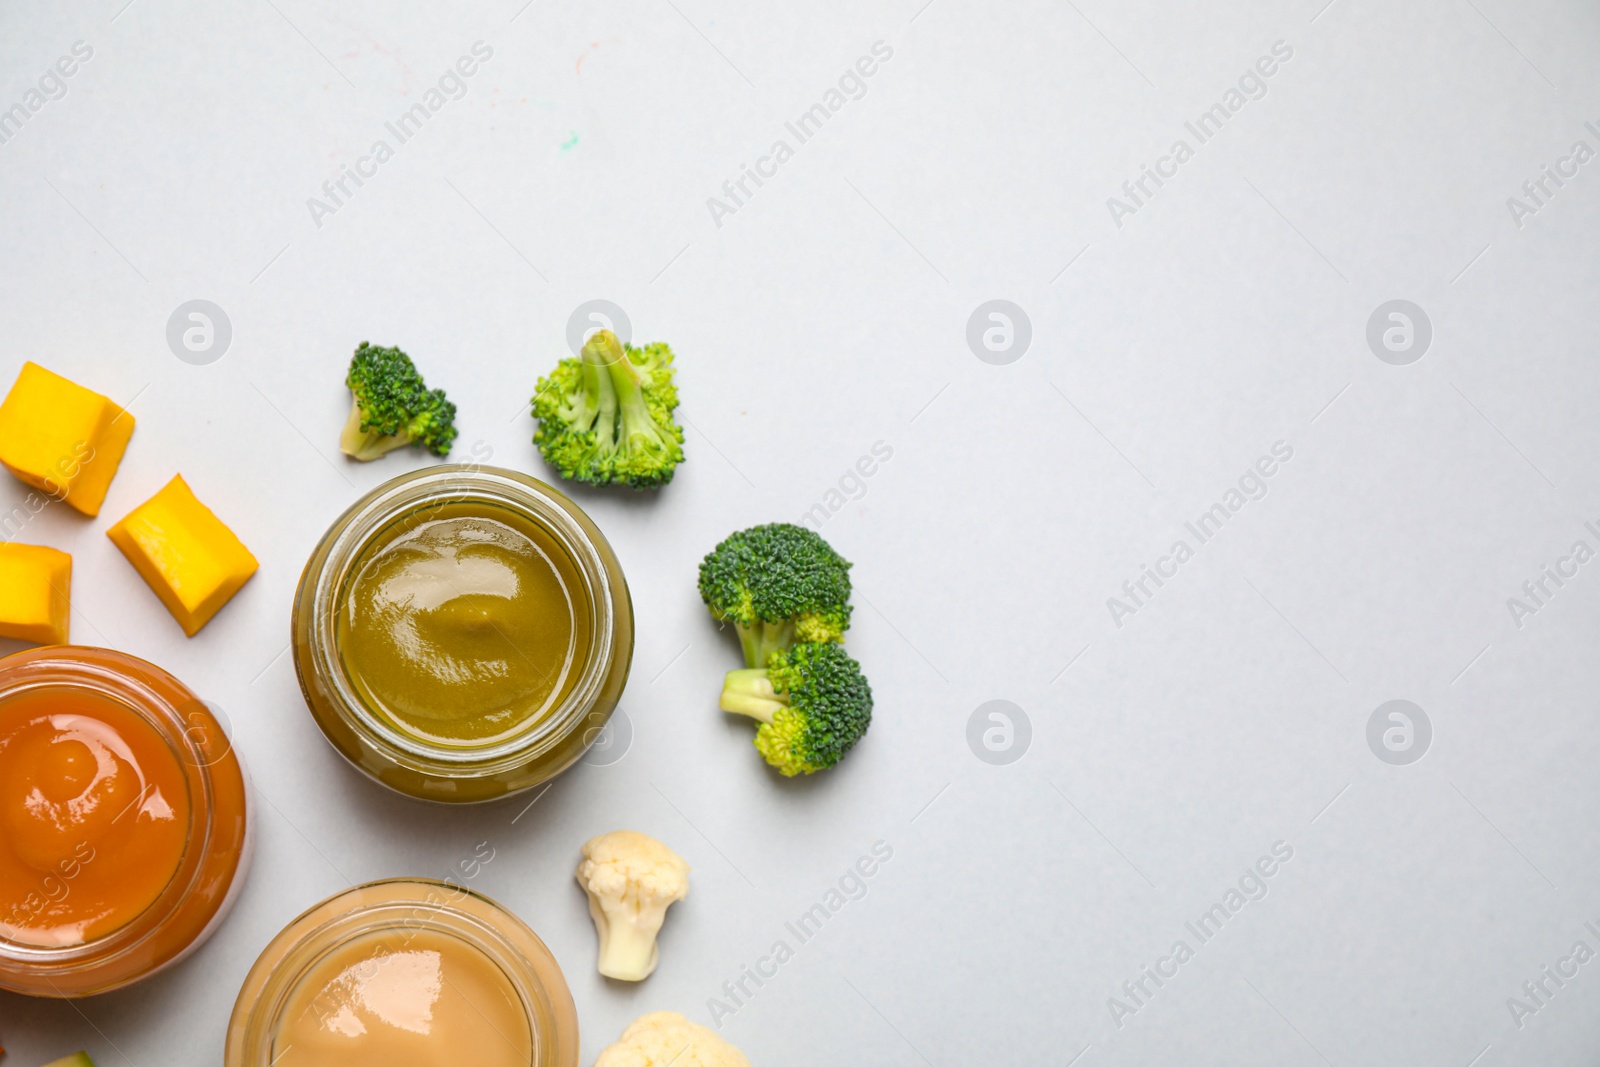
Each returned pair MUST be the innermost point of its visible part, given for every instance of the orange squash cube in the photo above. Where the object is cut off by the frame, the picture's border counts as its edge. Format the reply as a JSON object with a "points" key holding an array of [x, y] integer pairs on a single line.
{"points": [[59, 437], [184, 553], [35, 594]]}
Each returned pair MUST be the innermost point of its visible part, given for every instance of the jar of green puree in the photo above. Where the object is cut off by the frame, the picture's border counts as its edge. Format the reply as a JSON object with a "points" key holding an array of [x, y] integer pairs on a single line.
{"points": [[462, 633]]}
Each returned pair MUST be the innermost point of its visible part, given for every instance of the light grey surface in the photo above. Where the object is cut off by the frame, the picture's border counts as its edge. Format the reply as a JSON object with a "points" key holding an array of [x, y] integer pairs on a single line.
{"points": [[830, 312]]}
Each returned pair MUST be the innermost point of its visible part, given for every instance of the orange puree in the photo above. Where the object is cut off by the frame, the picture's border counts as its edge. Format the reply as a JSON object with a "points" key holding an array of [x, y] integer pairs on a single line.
{"points": [[94, 816]]}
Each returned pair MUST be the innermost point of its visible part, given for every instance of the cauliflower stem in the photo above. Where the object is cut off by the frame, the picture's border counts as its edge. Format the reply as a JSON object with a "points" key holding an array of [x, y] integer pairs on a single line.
{"points": [[628, 929], [631, 879]]}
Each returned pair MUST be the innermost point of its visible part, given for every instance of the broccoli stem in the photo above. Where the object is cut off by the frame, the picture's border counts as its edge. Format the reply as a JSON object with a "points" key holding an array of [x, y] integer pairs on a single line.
{"points": [[636, 418], [749, 692], [583, 407], [760, 640], [367, 445], [600, 352]]}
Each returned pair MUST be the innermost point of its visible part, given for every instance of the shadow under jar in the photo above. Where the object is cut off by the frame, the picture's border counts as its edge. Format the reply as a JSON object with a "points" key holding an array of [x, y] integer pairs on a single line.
{"points": [[406, 973], [463, 633]]}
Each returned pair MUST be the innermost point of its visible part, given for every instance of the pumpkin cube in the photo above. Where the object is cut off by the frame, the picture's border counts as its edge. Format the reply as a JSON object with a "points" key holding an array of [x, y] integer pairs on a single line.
{"points": [[35, 594], [184, 553], [59, 437]]}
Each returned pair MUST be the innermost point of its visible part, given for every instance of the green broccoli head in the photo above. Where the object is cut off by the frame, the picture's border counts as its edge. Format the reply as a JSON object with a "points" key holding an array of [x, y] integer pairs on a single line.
{"points": [[392, 407], [567, 407], [778, 584], [605, 417], [813, 704]]}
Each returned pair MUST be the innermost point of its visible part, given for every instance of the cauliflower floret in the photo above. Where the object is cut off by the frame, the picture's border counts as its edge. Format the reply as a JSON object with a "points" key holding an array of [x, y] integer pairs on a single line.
{"points": [[631, 879], [665, 1037]]}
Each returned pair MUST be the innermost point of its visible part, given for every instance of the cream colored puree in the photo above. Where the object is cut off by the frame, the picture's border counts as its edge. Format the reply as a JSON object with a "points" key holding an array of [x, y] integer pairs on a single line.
{"points": [[413, 999]]}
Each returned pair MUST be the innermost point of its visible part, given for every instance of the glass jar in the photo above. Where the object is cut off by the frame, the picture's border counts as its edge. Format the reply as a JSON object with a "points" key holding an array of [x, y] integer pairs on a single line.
{"points": [[94, 903], [463, 769], [406, 971]]}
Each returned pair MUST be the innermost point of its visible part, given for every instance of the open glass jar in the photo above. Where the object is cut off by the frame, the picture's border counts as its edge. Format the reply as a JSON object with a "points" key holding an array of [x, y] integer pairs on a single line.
{"points": [[126, 821], [404, 972], [462, 633]]}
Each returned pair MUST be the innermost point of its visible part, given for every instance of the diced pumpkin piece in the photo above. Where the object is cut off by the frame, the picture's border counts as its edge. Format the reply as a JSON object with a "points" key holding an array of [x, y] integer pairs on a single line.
{"points": [[184, 553], [35, 594], [57, 436]]}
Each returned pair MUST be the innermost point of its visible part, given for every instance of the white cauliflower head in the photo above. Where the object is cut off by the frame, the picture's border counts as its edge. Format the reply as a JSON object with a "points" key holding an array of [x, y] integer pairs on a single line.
{"points": [[665, 1038], [631, 879]]}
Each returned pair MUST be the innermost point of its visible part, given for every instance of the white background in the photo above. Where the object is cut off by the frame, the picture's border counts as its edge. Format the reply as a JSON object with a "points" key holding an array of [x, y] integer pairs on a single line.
{"points": [[829, 313]]}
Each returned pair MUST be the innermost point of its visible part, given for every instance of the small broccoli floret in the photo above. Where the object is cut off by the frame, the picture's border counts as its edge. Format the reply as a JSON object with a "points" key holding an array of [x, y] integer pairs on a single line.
{"points": [[813, 703], [392, 407], [778, 584], [606, 417]]}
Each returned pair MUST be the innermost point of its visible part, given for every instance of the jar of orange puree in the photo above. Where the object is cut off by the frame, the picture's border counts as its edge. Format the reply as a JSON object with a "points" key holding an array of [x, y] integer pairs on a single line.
{"points": [[462, 633], [123, 821], [404, 973]]}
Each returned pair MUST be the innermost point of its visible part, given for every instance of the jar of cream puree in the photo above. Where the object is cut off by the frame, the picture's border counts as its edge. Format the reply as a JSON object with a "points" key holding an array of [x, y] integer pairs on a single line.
{"points": [[406, 973]]}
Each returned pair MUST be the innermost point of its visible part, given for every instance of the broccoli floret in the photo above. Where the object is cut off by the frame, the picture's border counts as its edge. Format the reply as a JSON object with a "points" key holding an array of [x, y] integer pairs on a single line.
{"points": [[605, 417], [778, 584], [813, 703], [392, 407]]}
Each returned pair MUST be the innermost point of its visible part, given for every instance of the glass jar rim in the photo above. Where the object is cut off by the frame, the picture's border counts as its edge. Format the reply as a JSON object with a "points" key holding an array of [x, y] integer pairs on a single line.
{"points": [[400, 904], [81, 667], [434, 488]]}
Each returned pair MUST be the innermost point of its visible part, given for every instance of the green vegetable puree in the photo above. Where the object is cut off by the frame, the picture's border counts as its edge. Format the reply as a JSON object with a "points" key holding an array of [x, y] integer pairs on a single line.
{"points": [[463, 624]]}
